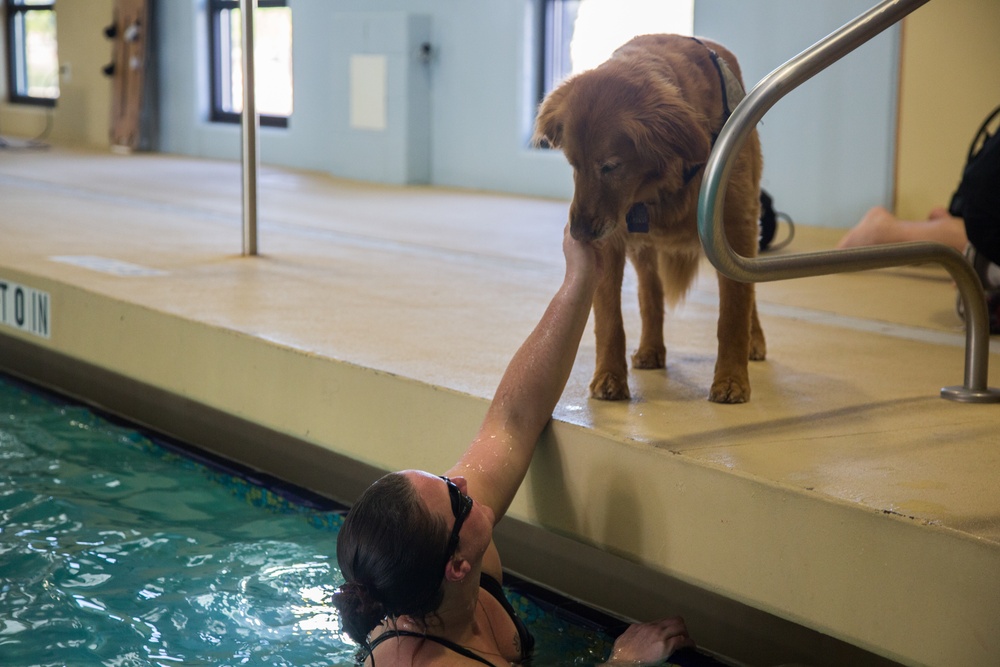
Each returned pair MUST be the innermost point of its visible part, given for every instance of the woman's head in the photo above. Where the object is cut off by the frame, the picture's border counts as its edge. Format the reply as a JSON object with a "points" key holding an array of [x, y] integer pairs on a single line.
{"points": [[392, 552]]}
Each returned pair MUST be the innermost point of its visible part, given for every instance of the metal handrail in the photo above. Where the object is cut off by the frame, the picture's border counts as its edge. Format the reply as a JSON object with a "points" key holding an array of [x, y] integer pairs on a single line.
{"points": [[745, 117]]}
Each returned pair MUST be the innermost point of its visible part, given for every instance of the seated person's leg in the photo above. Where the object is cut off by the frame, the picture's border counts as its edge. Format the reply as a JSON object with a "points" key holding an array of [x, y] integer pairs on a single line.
{"points": [[879, 226]]}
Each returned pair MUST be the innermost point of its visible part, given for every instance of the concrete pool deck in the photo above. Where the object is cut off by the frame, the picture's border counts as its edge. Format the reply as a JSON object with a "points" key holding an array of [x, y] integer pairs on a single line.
{"points": [[846, 497]]}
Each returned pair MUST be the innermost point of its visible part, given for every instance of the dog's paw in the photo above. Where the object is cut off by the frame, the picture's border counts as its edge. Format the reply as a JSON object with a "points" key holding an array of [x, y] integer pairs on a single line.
{"points": [[758, 350], [609, 387], [650, 358], [729, 390]]}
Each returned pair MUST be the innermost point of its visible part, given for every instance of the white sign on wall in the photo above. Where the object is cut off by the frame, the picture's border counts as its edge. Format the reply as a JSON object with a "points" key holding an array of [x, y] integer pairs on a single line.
{"points": [[368, 92]]}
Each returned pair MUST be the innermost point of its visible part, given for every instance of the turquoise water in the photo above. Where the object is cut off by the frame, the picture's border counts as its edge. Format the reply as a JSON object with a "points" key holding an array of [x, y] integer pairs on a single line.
{"points": [[115, 550]]}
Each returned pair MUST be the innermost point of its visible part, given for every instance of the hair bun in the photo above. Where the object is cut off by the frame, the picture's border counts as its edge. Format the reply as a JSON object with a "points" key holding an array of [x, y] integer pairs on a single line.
{"points": [[360, 610]]}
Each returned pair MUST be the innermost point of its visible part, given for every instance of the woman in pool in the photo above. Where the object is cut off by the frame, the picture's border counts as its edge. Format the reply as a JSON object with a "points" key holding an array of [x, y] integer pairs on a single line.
{"points": [[422, 572]]}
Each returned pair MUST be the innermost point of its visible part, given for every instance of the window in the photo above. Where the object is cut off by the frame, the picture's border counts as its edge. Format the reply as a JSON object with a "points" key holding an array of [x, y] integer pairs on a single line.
{"points": [[272, 62], [581, 34], [32, 60]]}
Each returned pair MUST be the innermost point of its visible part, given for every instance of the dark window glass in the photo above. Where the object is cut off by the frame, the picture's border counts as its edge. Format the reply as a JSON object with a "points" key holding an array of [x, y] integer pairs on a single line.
{"points": [[32, 58], [272, 62]]}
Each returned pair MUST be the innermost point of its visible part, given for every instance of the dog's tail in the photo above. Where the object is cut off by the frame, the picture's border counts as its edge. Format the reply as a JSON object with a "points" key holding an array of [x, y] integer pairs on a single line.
{"points": [[677, 272]]}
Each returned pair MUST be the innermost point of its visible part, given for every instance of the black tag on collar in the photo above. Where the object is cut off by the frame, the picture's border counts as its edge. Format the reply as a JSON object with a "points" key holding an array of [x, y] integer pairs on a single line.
{"points": [[637, 219]]}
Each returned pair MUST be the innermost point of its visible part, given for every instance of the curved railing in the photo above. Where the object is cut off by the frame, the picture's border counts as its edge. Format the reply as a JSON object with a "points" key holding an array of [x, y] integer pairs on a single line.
{"points": [[745, 117]]}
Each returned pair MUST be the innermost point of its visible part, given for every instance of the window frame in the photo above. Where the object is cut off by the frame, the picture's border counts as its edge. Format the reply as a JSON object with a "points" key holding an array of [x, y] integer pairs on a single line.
{"points": [[17, 57], [551, 63], [218, 44], [555, 21]]}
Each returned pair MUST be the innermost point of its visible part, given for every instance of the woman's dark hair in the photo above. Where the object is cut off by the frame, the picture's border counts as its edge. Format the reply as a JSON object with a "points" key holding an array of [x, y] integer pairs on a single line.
{"points": [[389, 550]]}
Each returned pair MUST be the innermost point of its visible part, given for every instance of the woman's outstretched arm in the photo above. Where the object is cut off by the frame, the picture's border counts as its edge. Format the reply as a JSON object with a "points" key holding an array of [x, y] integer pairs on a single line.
{"points": [[497, 459]]}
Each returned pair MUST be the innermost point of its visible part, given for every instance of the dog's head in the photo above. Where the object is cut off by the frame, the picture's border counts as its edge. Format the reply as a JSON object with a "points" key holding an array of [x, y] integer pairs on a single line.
{"points": [[627, 136]]}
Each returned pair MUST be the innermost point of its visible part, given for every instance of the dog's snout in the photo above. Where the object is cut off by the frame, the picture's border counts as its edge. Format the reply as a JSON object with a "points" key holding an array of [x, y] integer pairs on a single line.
{"points": [[582, 230], [586, 228]]}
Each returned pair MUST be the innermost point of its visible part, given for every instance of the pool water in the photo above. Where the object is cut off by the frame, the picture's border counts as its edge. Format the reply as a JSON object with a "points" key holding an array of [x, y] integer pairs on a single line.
{"points": [[117, 550]]}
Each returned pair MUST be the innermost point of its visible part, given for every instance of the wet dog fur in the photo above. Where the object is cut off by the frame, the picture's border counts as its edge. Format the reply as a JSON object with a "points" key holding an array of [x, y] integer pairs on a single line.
{"points": [[638, 129]]}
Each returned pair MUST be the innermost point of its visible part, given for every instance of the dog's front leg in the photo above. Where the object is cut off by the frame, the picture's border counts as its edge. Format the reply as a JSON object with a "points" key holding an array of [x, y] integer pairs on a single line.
{"points": [[736, 305], [652, 352], [758, 346], [610, 381]]}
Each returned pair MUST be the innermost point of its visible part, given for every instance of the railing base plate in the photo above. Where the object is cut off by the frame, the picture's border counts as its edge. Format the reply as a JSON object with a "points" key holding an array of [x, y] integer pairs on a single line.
{"points": [[963, 394]]}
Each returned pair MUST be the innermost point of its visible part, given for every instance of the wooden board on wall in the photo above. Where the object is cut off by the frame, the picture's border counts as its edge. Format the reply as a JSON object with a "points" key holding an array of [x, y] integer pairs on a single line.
{"points": [[130, 56]]}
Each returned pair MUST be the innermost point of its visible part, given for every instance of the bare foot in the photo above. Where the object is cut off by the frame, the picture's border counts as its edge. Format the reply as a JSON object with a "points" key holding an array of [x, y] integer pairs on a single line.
{"points": [[877, 226]]}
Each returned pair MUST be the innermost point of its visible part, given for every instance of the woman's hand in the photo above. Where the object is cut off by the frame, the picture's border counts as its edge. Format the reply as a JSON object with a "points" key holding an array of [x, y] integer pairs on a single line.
{"points": [[583, 259], [650, 643]]}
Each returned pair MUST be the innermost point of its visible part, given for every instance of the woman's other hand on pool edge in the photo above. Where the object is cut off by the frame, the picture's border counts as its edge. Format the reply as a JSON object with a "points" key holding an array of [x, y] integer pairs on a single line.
{"points": [[650, 643]]}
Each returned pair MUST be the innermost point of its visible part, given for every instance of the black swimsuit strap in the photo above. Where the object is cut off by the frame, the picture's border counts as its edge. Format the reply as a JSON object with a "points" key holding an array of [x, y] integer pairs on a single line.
{"points": [[494, 588], [447, 643]]}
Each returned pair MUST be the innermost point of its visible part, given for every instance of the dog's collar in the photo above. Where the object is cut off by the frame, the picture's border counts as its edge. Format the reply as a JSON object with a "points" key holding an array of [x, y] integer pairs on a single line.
{"points": [[732, 94], [692, 171], [732, 90]]}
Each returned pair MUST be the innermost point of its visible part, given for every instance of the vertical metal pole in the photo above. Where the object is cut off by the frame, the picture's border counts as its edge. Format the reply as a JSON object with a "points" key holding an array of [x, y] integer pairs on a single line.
{"points": [[250, 124]]}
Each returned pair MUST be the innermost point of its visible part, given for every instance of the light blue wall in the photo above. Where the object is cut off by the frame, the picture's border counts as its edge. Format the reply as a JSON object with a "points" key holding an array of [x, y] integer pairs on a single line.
{"points": [[480, 108], [829, 145], [827, 148]]}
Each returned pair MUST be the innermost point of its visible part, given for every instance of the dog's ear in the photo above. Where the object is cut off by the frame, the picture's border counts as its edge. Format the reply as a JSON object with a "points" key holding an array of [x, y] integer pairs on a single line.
{"points": [[549, 122], [670, 127]]}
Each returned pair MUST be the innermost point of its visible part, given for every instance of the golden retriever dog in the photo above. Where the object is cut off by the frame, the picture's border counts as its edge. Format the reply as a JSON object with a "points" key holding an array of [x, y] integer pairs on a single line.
{"points": [[637, 131]]}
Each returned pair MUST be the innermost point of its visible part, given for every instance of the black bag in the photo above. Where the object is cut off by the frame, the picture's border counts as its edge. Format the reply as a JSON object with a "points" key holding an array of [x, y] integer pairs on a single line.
{"points": [[769, 224], [977, 200]]}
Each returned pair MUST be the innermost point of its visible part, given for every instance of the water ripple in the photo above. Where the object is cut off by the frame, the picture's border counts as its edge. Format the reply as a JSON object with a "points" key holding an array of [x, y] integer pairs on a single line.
{"points": [[116, 552]]}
